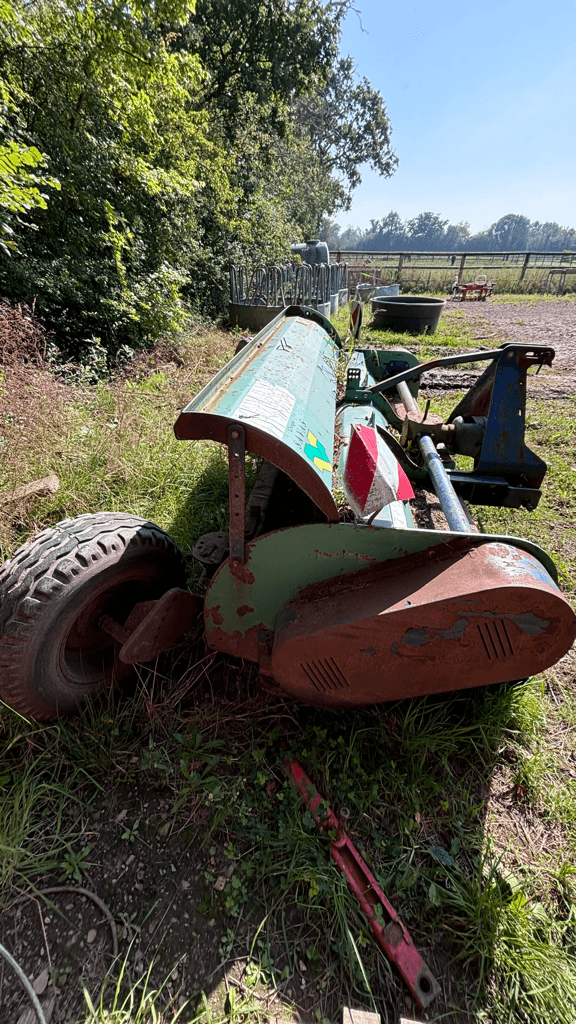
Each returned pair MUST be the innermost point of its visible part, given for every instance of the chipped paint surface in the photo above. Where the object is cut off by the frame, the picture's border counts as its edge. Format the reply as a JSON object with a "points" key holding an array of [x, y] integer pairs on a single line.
{"points": [[528, 622], [467, 624], [280, 565], [419, 637], [518, 564]]}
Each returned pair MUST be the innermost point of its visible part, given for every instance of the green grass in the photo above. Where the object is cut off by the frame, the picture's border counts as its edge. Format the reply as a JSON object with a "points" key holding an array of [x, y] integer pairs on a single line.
{"points": [[112, 447], [442, 791], [507, 281]]}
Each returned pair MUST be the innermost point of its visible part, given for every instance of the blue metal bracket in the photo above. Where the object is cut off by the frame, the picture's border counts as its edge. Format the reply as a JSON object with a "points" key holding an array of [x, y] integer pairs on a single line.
{"points": [[506, 472]]}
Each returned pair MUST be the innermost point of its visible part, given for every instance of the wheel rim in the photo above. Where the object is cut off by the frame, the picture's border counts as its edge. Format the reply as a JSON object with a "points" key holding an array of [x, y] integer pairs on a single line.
{"points": [[87, 655]]}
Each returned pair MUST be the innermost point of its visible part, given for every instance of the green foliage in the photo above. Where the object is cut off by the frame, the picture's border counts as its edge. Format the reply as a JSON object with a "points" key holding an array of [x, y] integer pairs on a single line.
{"points": [[429, 232], [20, 182], [175, 137], [347, 125], [109, 101]]}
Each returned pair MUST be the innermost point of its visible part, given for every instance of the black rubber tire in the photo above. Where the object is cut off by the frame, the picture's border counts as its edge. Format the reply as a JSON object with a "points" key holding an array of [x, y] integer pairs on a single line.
{"points": [[53, 594]]}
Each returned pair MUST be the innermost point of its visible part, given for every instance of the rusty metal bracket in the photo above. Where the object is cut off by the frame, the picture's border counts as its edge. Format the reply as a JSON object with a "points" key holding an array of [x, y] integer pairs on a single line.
{"points": [[389, 931], [236, 492]]}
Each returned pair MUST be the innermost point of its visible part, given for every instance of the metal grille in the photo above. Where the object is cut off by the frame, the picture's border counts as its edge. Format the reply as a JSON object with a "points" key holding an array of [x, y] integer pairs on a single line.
{"points": [[325, 675], [495, 639]]}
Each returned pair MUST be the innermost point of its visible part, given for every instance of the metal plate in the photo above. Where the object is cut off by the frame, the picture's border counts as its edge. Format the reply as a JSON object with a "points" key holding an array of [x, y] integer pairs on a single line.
{"points": [[487, 615], [282, 387], [281, 564]]}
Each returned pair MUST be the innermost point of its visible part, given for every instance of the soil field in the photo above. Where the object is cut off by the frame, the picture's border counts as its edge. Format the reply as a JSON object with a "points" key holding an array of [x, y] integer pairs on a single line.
{"points": [[542, 323]]}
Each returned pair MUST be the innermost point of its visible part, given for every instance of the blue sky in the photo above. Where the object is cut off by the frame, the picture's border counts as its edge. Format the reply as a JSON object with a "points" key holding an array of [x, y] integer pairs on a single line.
{"points": [[482, 101]]}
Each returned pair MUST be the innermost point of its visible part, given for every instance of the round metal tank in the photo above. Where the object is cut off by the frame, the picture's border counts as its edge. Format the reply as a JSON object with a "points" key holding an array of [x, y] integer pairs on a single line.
{"points": [[312, 251], [408, 313], [252, 318], [322, 307], [382, 291]]}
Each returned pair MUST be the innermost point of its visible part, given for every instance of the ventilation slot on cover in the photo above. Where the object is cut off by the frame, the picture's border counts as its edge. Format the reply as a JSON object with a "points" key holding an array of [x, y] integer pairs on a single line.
{"points": [[325, 675], [494, 637]]}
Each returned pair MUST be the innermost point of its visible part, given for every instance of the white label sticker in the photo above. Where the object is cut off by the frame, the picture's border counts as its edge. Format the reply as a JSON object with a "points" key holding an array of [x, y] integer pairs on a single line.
{"points": [[267, 406]]}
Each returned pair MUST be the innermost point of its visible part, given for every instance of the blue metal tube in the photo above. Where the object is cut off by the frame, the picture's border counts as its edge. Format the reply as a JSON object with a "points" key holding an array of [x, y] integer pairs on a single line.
{"points": [[447, 496], [445, 492]]}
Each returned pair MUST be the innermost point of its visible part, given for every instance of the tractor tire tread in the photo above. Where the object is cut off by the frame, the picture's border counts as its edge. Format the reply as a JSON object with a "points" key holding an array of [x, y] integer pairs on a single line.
{"points": [[42, 569]]}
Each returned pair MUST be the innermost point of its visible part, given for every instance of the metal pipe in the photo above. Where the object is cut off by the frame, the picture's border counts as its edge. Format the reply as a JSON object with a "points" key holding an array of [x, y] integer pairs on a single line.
{"points": [[408, 400], [445, 492], [447, 496]]}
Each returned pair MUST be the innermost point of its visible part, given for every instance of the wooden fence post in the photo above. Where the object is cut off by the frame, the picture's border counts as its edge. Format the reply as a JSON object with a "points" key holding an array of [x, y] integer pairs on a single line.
{"points": [[400, 262], [461, 267], [524, 266]]}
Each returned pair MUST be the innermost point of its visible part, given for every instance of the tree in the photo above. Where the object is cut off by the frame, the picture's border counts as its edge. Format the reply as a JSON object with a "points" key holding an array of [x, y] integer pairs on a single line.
{"points": [[509, 234], [20, 180], [270, 50], [177, 137], [347, 124], [388, 233], [99, 89], [426, 232]]}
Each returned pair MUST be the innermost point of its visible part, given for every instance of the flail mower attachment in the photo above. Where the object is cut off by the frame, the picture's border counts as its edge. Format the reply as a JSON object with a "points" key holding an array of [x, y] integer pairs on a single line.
{"points": [[340, 613], [336, 608]]}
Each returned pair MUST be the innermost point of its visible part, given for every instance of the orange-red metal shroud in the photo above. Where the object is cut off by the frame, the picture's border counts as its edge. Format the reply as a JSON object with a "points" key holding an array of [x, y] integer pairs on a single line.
{"points": [[424, 624]]}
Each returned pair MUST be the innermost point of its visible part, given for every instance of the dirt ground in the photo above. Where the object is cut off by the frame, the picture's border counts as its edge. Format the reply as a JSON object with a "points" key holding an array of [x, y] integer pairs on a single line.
{"points": [[544, 323], [161, 880]]}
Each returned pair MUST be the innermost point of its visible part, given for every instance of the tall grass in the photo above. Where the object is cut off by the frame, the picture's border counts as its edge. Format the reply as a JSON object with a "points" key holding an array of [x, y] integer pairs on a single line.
{"points": [[506, 280]]}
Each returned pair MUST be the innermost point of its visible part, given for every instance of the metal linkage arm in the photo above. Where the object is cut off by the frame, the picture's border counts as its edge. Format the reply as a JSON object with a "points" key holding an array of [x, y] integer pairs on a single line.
{"points": [[531, 355], [388, 929]]}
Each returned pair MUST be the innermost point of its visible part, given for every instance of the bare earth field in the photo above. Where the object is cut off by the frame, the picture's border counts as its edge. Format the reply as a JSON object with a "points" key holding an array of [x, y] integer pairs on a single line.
{"points": [[546, 323]]}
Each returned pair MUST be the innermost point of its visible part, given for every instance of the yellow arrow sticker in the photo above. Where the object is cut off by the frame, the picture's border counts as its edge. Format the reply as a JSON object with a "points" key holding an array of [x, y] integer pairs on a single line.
{"points": [[316, 452]]}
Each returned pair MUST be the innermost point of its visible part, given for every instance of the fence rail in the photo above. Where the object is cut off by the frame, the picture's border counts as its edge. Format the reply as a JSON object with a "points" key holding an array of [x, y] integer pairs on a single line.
{"points": [[367, 265]]}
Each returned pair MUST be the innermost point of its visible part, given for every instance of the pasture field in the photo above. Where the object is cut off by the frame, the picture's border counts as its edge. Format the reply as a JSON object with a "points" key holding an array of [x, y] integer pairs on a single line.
{"points": [[168, 801], [431, 280]]}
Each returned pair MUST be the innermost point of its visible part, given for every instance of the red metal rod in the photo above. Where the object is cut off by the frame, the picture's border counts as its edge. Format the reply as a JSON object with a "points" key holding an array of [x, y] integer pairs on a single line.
{"points": [[388, 929]]}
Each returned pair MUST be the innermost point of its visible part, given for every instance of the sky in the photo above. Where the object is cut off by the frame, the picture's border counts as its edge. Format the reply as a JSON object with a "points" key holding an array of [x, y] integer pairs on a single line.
{"points": [[481, 97]]}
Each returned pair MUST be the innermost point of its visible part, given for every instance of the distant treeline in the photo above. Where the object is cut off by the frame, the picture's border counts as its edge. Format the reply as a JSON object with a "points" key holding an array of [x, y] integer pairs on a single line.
{"points": [[428, 232]]}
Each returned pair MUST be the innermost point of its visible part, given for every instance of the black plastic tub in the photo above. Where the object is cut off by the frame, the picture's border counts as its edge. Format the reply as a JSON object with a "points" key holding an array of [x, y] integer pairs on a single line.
{"points": [[416, 313]]}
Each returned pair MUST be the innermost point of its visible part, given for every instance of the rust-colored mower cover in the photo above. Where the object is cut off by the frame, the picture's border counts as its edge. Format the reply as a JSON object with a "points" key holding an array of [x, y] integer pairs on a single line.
{"points": [[422, 625]]}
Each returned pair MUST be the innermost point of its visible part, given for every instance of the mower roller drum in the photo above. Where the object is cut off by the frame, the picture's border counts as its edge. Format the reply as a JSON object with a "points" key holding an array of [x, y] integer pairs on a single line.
{"points": [[337, 605]]}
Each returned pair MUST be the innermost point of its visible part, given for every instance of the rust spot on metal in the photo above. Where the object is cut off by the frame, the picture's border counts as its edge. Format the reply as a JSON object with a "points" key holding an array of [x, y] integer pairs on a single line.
{"points": [[241, 645], [393, 933], [169, 618], [217, 616], [241, 571], [244, 610]]}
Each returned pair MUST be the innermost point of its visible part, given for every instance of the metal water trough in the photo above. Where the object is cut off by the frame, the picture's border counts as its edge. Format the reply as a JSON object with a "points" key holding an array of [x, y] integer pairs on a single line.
{"points": [[416, 313]]}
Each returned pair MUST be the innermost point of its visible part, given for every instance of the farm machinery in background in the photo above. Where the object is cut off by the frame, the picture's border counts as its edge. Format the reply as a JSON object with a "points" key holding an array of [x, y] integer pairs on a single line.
{"points": [[335, 609]]}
